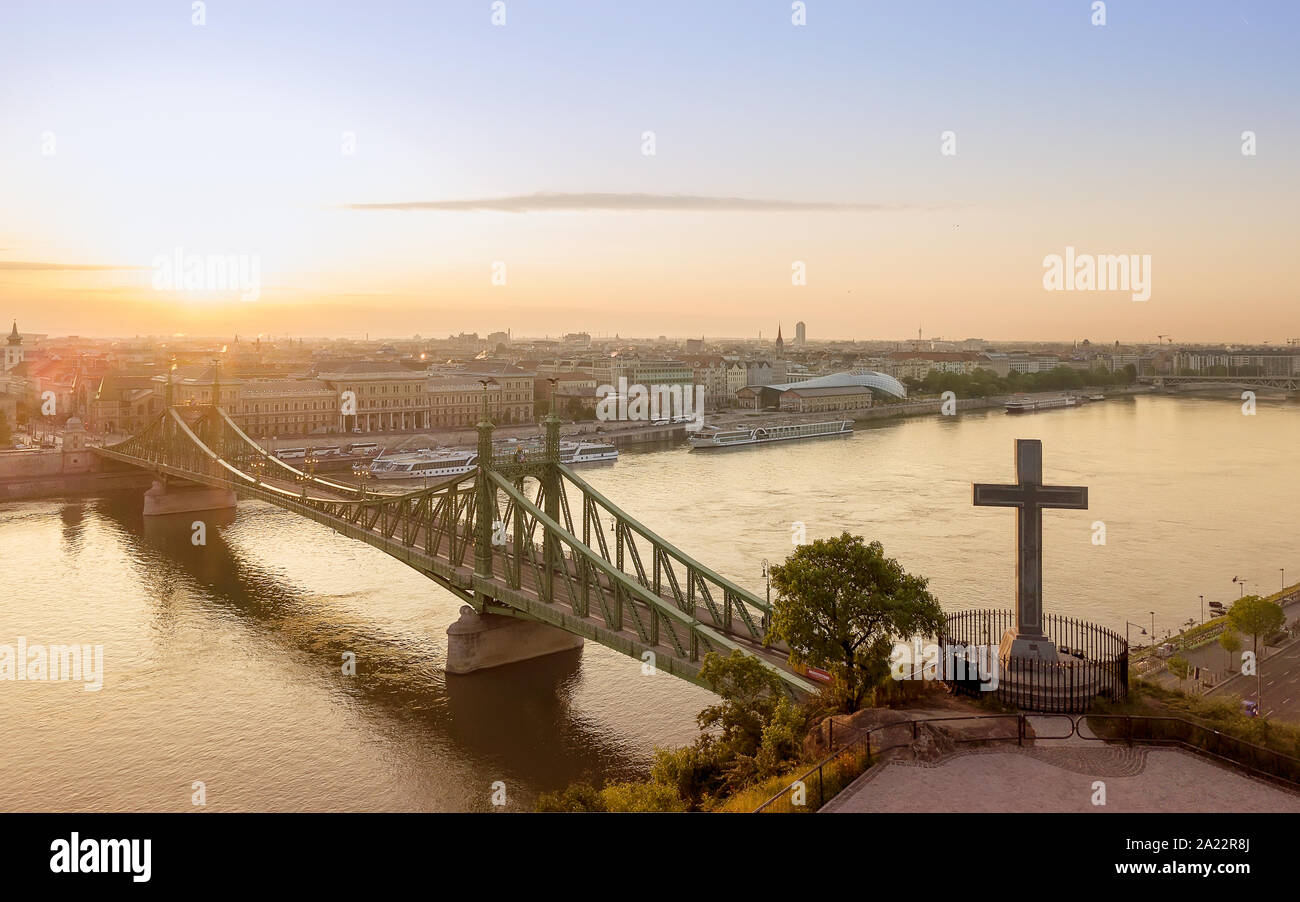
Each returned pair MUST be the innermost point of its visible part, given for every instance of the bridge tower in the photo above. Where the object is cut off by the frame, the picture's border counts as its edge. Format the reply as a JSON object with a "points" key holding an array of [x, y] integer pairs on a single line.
{"points": [[495, 634]]}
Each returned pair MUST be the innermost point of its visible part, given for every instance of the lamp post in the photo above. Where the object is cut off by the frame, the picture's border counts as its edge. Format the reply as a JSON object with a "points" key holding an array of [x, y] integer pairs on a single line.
{"points": [[1242, 584], [1202, 609], [485, 383], [1282, 570], [1127, 623], [767, 577], [1153, 625]]}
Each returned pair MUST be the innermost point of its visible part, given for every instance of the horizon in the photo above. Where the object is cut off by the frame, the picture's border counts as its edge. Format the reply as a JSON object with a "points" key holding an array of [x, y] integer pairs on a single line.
{"points": [[377, 174]]}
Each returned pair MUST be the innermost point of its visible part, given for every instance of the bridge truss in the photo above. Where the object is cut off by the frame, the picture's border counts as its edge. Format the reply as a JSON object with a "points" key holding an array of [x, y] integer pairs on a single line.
{"points": [[522, 535]]}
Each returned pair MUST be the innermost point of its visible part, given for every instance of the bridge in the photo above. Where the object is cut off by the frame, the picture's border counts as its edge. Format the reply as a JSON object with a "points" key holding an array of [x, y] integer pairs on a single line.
{"points": [[1286, 383], [521, 536]]}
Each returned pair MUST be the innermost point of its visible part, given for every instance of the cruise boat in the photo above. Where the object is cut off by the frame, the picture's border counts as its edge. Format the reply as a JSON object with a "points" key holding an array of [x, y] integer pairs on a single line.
{"points": [[444, 464], [1030, 405], [421, 465], [586, 452], [713, 437]]}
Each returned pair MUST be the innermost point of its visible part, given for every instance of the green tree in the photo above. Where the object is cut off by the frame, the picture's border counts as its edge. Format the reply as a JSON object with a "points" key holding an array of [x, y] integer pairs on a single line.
{"points": [[574, 797], [6, 433], [1255, 617], [1231, 643], [1179, 667], [750, 691], [842, 605]]}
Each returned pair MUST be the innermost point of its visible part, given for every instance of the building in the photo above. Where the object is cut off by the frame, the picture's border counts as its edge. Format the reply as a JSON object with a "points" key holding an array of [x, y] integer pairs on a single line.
{"points": [[918, 364], [388, 396], [268, 408], [123, 403], [838, 391], [13, 349], [710, 374], [800, 334], [456, 399]]}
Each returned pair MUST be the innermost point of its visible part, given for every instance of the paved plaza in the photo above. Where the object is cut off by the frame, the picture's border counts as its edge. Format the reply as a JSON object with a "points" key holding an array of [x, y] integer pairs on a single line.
{"points": [[1059, 777]]}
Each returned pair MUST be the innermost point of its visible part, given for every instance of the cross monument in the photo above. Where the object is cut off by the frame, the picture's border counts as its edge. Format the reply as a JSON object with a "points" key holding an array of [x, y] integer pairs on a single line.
{"points": [[1029, 497]]}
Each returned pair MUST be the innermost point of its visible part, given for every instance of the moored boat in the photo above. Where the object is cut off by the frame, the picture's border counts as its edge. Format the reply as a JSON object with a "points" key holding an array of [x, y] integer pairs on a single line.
{"points": [[713, 437]]}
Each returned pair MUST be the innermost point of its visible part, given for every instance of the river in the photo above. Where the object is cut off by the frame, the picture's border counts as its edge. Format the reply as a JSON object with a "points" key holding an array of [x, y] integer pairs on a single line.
{"points": [[223, 661]]}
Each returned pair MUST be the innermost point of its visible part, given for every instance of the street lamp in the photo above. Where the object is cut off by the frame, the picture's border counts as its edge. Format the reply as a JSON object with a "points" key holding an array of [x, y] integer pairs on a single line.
{"points": [[1283, 572], [1153, 625], [485, 383], [1202, 608], [767, 577], [1242, 583], [1127, 623]]}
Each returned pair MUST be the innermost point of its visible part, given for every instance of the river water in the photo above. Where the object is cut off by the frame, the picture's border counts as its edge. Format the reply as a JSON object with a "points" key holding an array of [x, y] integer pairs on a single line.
{"points": [[223, 661]]}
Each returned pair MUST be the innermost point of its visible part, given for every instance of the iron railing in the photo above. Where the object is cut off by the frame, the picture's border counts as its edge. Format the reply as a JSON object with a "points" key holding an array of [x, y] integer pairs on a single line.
{"points": [[1093, 663], [823, 780]]}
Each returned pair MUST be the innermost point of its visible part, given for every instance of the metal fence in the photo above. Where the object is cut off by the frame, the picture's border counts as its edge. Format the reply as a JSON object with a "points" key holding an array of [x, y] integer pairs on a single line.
{"points": [[821, 782], [1093, 663], [833, 773]]}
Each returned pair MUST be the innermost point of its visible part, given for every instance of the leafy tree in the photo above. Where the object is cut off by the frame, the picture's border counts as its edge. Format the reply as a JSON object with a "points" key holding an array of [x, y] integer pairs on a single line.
{"points": [[641, 796], [749, 692], [782, 740], [842, 605], [1255, 617], [574, 797], [1179, 667], [6, 433], [1231, 643]]}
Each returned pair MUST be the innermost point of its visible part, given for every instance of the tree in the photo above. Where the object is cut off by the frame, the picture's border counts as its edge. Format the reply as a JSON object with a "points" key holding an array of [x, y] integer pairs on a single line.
{"points": [[750, 691], [1231, 643], [842, 605], [1255, 617], [1179, 667], [6, 433]]}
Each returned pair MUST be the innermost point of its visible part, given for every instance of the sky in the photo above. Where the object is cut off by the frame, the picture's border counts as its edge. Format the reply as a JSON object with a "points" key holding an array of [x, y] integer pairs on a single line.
{"points": [[400, 168]]}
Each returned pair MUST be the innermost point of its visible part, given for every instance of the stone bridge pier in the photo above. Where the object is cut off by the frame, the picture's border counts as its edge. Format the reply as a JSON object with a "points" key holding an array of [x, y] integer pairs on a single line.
{"points": [[479, 641], [180, 497]]}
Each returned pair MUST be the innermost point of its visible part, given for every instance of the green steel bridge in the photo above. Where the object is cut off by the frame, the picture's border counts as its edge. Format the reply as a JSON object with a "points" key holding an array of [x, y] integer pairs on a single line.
{"points": [[522, 535]]}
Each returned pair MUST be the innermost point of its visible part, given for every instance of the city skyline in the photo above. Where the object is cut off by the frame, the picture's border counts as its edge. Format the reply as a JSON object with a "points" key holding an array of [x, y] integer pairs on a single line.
{"points": [[371, 170]]}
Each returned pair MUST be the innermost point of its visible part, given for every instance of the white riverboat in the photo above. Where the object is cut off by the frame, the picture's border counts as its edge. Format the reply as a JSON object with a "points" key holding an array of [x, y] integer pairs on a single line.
{"points": [[444, 464], [1031, 405], [713, 437]]}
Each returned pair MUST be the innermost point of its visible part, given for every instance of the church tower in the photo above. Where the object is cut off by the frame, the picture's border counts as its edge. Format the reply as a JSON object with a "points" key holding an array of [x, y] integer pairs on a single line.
{"points": [[13, 349], [780, 345]]}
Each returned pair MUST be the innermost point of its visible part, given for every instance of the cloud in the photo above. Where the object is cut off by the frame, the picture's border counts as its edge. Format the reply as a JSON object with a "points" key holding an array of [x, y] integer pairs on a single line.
{"points": [[544, 202], [23, 265]]}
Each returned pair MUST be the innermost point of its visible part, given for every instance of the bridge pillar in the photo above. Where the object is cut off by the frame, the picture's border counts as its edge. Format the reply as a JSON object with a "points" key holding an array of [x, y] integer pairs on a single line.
{"points": [[551, 505], [485, 493], [479, 641], [185, 497]]}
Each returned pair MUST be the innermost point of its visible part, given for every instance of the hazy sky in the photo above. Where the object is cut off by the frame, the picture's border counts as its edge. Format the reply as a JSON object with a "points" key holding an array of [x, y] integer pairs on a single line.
{"points": [[128, 132]]}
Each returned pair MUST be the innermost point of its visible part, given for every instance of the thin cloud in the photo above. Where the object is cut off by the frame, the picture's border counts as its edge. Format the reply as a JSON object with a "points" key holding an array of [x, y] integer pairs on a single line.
{"points": [[546, 202], [27, 266]]}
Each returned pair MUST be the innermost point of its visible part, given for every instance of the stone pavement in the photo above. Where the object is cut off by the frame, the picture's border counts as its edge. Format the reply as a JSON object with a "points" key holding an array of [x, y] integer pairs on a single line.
{"points": [[1059, 775]]}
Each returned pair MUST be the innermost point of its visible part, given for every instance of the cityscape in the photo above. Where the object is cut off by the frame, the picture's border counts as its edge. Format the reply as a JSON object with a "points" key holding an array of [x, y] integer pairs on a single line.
{"points": [[415, 413]]}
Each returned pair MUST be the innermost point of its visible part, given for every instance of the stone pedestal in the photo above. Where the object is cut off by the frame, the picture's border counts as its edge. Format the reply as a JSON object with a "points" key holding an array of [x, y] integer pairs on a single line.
{"points": [[185, 498], [1027, 647], [479, 641]]}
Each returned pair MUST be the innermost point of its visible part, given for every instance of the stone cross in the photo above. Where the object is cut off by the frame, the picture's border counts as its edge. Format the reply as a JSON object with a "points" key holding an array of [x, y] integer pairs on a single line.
{"points": [[1029, 496]]}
